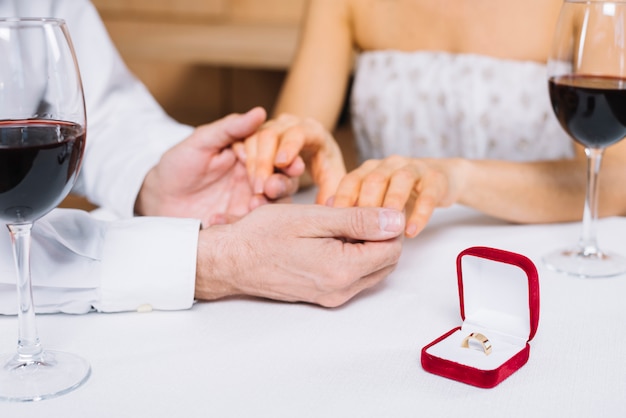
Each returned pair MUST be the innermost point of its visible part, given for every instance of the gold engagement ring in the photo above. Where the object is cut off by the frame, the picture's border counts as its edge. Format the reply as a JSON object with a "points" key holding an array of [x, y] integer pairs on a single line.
{"points": [[484, 342]]}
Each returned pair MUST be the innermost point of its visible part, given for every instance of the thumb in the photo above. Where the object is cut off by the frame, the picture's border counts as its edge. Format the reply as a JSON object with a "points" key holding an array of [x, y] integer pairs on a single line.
{"points": [[234, 127], [359, 223]]}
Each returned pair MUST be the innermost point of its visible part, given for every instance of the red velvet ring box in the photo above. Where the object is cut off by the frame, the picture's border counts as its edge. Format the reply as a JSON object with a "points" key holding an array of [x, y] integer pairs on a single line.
{"points": [[499, 295]]}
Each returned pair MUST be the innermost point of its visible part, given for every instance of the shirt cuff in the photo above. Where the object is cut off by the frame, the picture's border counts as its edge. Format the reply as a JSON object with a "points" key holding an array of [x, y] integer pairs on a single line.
{"points": [[148, 263]]}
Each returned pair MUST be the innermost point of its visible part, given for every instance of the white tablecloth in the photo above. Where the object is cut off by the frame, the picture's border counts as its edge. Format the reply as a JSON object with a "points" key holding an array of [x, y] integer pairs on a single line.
{"points": [[257, 358]]}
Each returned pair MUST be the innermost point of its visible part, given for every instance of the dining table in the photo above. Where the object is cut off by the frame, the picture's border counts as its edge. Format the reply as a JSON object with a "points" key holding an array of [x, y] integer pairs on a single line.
{"points": [[251, 357]]}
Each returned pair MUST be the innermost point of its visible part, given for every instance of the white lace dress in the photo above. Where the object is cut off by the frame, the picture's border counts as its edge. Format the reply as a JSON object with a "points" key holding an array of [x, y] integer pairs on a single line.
{"points": [[438, 104]]}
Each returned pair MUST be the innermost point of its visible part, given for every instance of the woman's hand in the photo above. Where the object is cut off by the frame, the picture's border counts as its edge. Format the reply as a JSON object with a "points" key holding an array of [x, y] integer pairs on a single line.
{"points": [[291, 145], [416, 185]]}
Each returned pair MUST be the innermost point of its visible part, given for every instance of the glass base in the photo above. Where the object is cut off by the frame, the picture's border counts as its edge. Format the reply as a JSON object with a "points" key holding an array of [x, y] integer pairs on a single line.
{"points": [[577, 262], [53, 374]]}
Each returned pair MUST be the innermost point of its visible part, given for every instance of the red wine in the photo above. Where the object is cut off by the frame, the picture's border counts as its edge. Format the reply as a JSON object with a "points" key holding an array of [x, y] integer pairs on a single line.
{"points": [[591, 109], [39, 162]]}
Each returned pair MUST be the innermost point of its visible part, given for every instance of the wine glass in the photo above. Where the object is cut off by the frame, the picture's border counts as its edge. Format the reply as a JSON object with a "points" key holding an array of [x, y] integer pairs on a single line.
{"points": [[42, 139], [587, 85]]}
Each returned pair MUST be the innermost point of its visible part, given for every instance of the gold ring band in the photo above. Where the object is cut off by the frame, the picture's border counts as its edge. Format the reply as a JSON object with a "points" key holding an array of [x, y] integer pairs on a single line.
{"points": [[484, 342]]}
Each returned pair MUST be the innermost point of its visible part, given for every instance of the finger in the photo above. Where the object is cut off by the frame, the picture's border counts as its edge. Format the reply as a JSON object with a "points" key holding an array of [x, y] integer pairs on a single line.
{"points": [[239, 148], [295, 169], [291, 143], [372, 279], [328, 172], [373, 189], [338, 298], [326, 163], [278, 186], [400, 188], [347, 193], [375, 183], [428, 198], [267, 143], [309, 140], [418, 217], [349, 187], [256, 201], [246, 124], [365, 224], [231, 128], [250, 147]]}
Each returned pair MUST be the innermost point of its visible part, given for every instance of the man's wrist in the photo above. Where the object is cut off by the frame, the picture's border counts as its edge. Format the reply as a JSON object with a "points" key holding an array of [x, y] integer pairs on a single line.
{"points": [[214, 278]]}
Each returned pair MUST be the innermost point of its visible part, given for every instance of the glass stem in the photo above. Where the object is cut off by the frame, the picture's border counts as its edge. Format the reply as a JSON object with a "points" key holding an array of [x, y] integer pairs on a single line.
{"points": [[28, 347], [588, 242]]}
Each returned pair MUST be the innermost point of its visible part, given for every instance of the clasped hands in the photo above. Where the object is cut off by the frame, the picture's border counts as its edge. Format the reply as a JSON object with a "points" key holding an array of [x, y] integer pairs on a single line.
{"points": [[275, 250], [291, 146], [227, 168]]}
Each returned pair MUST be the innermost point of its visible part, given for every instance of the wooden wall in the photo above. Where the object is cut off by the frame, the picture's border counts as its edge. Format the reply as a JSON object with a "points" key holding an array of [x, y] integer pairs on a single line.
{"points": [[203, 59]]}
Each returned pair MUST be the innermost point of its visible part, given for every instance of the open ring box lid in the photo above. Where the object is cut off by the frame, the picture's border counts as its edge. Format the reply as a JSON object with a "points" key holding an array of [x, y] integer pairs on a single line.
{"points": [[499, 296]]}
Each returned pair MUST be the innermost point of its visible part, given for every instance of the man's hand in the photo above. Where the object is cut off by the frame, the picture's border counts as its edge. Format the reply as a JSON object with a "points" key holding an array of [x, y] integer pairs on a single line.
{"points": [[307, 253], [202, 178]]}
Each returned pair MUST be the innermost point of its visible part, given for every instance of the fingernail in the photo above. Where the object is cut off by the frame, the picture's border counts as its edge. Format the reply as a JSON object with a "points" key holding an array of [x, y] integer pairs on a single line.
{"points": [[411, 230], [390, 221]]}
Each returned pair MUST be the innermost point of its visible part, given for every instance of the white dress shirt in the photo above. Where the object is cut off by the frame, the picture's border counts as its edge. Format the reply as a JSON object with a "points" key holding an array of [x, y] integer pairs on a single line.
{"points": [[107, 261]]}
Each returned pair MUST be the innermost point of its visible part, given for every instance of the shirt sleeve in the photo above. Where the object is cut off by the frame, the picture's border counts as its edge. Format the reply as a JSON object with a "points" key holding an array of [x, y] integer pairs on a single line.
{"points": [[127, 130], [81, 263]]}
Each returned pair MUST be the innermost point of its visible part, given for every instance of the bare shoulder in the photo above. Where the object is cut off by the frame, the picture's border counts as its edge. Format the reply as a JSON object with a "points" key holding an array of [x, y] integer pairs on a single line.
{"points": [[504, 28]]}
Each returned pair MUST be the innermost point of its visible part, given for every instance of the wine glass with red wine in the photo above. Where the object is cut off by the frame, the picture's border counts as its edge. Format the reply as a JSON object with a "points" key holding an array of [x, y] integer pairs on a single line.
{"points": [[587, 85], [42, 139]]}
